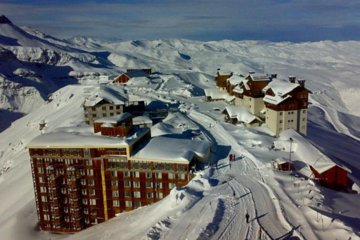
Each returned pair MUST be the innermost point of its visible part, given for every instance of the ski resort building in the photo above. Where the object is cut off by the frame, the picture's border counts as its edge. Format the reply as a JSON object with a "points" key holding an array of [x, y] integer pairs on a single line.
{"points": [[109, 101], [248, 91], [132, 73], [221, 80], [83, 179], [286, 105]]}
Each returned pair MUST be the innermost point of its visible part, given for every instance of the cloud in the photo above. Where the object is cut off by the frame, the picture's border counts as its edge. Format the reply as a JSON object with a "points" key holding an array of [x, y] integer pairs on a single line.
{"points": [[303, 20]]}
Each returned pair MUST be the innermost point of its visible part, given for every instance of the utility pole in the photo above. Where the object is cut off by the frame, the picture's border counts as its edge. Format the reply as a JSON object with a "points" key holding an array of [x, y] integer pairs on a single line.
{"points": [[291, 140]]}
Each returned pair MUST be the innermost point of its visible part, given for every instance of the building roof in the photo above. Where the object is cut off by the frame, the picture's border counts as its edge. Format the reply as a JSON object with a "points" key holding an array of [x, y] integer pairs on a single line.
{"points": [[215, 93], [110, 93], [82, 140], [115, 119], [259, 77], [173, 150], [241, 113], [280, 88], [142, 120], [236, 79]]}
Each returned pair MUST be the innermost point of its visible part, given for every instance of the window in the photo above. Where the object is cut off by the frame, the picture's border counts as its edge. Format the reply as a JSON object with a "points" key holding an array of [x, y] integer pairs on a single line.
{"points": [[40, 170], [171, 175], [136, 184], [113, 173], [43, 189], [116, 203], [127, 174], [115, 193], [304, 111], [158, 175], [149, 184], [43, 199], [172, 185], [92, 192], [103, 108], [86, 211], [137, 194], [181, 175], [111, 107], [128, 204], [91, 182], [92, 202], [136, 174], [127, 194], [148, 175], [90, 172], [304, 119], [127, 184], [137, 204], [280, 121], [46, 217], [114, 183], [83, 182], [85, 201], [158, 185], [159, 195], [149, 195], [89, 162], [280, 113]]}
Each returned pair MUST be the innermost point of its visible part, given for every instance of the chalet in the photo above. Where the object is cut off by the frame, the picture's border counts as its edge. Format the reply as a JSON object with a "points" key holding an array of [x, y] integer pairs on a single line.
{"points": [[248, 91], [221, 80], [241, 114], [332, 176], [132, 73], [109, 101], [286, 105]]}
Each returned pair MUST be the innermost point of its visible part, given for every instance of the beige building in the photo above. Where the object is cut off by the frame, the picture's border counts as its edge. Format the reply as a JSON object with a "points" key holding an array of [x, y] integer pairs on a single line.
{"points": [[286, 106]]}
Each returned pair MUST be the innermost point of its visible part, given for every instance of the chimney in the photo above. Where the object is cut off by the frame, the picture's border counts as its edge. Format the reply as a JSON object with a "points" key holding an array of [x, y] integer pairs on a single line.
{"points": [[301, 82], [273, 75], [292, 79], [231, 74], [251, 73], [218, 72]]}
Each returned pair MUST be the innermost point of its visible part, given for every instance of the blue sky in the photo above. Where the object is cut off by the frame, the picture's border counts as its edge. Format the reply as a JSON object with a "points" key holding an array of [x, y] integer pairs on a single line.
{"points": [[273, 20]]}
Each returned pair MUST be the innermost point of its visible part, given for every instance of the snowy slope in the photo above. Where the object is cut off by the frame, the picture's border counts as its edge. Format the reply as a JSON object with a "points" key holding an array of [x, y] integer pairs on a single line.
{"points": [[212, 206]]}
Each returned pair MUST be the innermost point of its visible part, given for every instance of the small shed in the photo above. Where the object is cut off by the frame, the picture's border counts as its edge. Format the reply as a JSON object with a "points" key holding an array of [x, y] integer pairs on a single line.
{"points": [[282, 164], [335, 176], [132, 73]]}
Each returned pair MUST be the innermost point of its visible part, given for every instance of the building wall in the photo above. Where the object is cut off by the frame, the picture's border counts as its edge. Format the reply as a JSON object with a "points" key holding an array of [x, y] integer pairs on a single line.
{"points": [[100, 111], [77, 188], [279, 121]]}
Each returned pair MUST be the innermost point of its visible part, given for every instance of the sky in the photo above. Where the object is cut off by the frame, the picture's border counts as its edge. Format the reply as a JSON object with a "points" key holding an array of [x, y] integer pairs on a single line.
{"points": [[205, 20]]}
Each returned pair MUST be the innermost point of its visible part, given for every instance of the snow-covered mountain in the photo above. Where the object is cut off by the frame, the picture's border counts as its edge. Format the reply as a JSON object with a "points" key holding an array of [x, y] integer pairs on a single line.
{"points": [[34, 65]]}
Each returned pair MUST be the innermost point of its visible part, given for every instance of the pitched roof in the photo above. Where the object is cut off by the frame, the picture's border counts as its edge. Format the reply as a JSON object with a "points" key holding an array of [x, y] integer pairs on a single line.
{"points": [[215, 93], [280, 88], [241, 113], [115, 119], [110, 93]]}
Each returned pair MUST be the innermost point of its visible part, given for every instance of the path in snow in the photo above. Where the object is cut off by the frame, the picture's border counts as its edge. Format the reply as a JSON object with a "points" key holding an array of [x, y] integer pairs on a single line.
{"points": [[267, 210]]}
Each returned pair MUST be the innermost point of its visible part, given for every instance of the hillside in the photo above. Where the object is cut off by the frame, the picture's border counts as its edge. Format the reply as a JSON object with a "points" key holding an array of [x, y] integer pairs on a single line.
{"points": [[34, 65]]}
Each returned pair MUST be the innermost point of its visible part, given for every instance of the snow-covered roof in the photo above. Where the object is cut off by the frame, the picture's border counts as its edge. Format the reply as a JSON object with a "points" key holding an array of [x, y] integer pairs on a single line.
{"points": [[115, 119], [235, 79], [83, 140], [75, 140], [141, 120], [110, 93], [241, 113], [280, 88], [215, 93], [238, 89], [259, 77], [173, 150], [305, 151], [281, 160]]}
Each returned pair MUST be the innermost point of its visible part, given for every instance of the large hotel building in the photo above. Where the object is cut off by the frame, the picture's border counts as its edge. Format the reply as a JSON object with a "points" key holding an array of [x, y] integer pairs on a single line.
{"points": [[85, 179]]}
